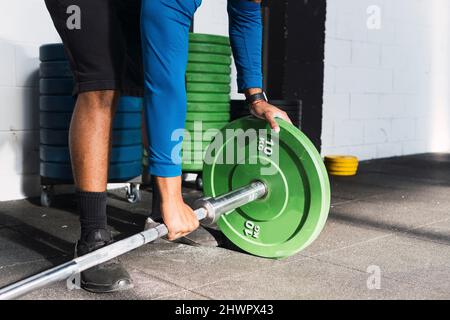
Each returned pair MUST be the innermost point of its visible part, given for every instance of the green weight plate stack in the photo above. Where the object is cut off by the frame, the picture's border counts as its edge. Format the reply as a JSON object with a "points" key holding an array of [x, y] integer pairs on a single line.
{"points": [[208, 80]]}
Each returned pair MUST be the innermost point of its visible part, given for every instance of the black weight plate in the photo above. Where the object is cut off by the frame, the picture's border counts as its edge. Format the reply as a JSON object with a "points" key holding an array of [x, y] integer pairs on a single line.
{"points": [[56, 86], [119, 172], [61, 121], [52, 52], [282, 104], [56, 103], [118, 154], [55, 69], [119, 137], [67, 103], [130, 104]]}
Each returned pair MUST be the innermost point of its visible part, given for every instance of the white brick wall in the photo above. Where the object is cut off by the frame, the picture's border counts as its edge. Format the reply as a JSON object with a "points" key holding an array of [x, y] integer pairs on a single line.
{"points": [[24, 26], [386, 90]]}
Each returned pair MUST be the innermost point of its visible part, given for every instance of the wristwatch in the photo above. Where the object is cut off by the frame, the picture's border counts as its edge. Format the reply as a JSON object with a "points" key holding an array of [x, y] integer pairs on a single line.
{"points": [[256, 97]]}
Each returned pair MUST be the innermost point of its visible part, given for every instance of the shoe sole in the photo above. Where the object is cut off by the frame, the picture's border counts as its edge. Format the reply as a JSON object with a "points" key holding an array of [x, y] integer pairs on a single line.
{"points": [[107, 289]]}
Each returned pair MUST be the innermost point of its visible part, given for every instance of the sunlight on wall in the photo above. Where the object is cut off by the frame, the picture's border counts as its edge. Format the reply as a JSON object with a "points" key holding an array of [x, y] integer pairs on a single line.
{"points": [[439, 138]]}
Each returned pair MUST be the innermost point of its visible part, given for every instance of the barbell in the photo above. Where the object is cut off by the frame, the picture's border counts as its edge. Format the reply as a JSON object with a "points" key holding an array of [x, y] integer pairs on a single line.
{"points": [[268, 192]]}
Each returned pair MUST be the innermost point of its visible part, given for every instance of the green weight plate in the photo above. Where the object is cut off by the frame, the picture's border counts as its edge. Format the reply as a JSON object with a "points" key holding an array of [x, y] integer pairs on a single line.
{"points": [[293, 213], [55, 69], [208, 116], [210, 49], [209, 38], [209, 68], [56, 86], [119, 172], [208, 97], [194, 156], [208, 88], [206, 135], [195, 145], [52, 52], [203, 125], [192, 167], [208, 107], [209, 58], [208, 78]]}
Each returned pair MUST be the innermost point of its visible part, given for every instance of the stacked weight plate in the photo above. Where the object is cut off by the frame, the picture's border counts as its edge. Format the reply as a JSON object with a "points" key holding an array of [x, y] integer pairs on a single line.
{"points": [[293, 108], [56, 108], [341, 165], [208, 80]]}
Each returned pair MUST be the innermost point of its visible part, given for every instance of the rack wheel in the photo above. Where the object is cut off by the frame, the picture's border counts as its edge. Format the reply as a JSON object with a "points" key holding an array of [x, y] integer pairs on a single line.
{"points": [[133, 193], [199, 182], [46, 196]]}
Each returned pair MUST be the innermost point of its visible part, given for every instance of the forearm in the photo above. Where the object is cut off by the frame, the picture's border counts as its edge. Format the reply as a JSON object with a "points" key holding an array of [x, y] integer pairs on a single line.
{"points": [[246, 41]]}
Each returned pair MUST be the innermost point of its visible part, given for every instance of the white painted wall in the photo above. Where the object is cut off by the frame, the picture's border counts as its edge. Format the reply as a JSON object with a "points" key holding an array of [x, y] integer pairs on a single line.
{"points": [[24, 26], [386, 90]]}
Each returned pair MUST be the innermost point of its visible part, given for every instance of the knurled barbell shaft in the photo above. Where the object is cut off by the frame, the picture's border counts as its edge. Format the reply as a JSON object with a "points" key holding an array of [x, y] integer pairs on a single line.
{"points": [[208, 210]]}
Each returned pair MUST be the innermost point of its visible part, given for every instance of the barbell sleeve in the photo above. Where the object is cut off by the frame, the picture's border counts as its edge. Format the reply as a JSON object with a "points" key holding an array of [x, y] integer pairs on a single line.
{"points": [[209, 209]]}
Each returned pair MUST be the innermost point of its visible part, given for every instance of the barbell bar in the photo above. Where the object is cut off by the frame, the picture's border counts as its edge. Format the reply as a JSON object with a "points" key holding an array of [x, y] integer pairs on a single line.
{"points": [[209, 211]]}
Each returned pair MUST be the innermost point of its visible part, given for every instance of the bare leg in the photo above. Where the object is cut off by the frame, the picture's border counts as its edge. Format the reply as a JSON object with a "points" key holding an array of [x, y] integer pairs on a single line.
{"points": [[90, 139]]}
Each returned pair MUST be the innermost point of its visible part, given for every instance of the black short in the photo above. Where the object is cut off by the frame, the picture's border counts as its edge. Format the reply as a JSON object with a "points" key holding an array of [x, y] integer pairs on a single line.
{"points": [[104, 49]]}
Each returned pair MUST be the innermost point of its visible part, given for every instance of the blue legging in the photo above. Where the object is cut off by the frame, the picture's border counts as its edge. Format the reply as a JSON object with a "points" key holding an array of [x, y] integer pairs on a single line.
{"points": [[165, 41]]}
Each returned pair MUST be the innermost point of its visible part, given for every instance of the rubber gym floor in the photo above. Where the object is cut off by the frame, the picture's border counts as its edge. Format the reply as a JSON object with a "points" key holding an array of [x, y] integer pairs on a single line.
{"points": [[387, 237]]}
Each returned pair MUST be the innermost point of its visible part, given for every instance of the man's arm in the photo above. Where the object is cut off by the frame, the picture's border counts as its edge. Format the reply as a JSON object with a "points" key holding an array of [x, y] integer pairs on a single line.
{"points": [[246, 41]]}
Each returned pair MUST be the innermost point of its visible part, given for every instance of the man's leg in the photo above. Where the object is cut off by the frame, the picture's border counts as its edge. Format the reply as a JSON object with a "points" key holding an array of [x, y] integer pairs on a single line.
{"points": [[165, 40], [89, 140], [96, 52]]}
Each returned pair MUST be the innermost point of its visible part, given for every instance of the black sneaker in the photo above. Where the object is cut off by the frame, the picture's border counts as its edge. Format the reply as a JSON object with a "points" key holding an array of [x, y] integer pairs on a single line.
{"points": [[107, 277]]}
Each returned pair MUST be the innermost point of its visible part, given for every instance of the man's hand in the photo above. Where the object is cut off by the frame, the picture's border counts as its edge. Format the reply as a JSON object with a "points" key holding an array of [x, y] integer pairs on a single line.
{"points": [[179, 218], [264, 110]]}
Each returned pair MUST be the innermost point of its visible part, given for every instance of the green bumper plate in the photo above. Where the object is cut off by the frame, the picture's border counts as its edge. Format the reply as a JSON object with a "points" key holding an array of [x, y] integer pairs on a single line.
{"points": [[208, 78], [210, 48], [203, 125], [208, 116], [208, 107], [209, 39], [195, 145], [208, 88], [208, 97], [209, 58], [209, 68], [293, 213]]}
